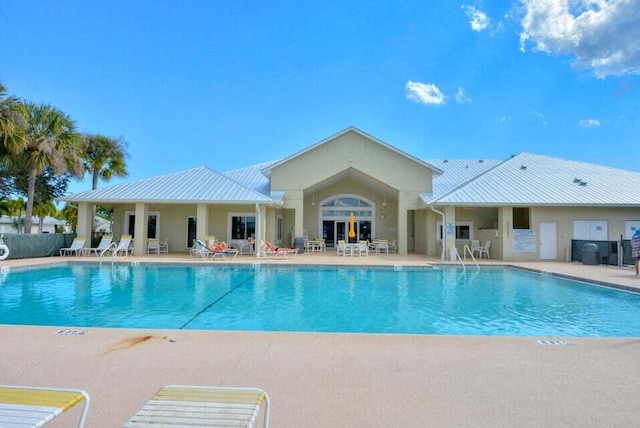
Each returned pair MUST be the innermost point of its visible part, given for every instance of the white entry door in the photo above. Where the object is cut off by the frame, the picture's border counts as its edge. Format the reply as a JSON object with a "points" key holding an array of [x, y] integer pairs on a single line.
{"points": [[548, 241]]}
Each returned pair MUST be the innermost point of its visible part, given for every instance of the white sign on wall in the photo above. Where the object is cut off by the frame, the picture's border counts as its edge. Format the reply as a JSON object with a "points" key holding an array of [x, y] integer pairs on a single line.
{"points": [[524, 241]]}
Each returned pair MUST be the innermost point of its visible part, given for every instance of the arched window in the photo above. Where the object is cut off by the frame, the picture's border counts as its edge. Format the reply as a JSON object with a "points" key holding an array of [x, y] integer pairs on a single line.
{"points": [[343, 205], [334, 218]]}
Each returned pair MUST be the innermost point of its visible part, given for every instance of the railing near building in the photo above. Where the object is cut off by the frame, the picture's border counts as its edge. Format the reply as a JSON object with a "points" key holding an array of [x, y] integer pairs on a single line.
{"points": [[608, 251], [23, 245]]}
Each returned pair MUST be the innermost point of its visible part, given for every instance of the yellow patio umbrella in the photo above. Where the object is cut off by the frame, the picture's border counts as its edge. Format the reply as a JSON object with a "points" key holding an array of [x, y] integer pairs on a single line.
{"points": [[352, 226]]}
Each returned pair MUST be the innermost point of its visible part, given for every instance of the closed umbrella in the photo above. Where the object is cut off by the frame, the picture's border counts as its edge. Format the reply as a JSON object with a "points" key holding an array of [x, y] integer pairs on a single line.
{"points": [[352, 226]]}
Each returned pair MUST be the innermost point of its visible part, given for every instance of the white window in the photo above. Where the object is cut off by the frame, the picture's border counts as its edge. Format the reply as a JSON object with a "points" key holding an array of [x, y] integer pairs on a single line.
{"points": [[464, 230], [153, 225], [630, 227], [241, 226], [590, 230], [279, 229]]}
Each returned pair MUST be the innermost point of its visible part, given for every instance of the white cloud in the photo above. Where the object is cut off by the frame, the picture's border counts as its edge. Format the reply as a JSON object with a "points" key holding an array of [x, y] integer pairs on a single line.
{"points": [[589, 123], [461, 97], [602, 34], [539, 116], [424, 93], [478, 19]]}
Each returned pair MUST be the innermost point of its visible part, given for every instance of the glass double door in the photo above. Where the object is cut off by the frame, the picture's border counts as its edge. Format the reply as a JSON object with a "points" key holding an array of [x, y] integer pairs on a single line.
{"points": [[338, 230]]}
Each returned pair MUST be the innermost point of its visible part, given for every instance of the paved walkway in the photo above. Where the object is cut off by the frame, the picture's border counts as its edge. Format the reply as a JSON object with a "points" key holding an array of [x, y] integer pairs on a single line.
{"points": [[346, 380]]}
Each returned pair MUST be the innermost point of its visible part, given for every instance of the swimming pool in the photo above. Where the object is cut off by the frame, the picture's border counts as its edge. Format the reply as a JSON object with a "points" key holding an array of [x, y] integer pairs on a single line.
{"points": [[493, 301]]}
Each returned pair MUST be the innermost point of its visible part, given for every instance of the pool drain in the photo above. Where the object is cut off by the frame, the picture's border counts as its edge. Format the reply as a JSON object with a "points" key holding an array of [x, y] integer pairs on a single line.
{"points": [[555, 343]]}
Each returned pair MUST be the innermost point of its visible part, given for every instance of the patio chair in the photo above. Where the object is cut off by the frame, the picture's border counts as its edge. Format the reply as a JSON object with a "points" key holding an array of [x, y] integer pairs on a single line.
{"points": [[364, 247], [341, 247], [484, 250], [475, 248], [204, 406], [155, 245], [393, 246], [24, 406], [103, 245], [76, 248]]}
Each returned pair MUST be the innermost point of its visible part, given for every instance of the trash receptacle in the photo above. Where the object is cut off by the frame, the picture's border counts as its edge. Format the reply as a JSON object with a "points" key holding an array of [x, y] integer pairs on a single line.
{"points": [[590, 254], [299, 244]]}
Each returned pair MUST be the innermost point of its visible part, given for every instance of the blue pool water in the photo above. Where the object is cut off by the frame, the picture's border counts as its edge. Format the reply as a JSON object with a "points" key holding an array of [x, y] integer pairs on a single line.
{"points": [[494, 301]]}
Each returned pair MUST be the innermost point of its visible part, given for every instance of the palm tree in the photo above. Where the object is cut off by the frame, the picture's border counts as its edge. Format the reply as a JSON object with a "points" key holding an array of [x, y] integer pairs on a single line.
{"points": [[42, 210], [12, 123], [15, 208], [70, 213], [104, 157], [53, 142]]}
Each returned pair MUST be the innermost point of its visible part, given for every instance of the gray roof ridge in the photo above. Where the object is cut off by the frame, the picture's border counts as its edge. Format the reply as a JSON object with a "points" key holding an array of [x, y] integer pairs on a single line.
{"points": [[257, 165], [472, 179]]}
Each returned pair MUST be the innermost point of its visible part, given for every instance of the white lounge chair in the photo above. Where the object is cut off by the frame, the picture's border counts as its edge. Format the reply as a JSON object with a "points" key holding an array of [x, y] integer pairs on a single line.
{"points": [[24, 406], [202, 250], [103, 245], [76, 248], [123, 247], [204, 406], [270, 251]]}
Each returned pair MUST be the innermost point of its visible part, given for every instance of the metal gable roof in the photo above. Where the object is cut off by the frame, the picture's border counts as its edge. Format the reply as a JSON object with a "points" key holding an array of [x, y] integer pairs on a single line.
{"points": [[252, 177], [458, 171], [192, 185], [530, 179]]}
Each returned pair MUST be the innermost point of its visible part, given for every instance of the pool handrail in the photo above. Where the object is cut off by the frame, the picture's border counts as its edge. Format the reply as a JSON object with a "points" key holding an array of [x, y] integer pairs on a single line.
{"points": [[455, 250], [468, 249], [111, 248]]}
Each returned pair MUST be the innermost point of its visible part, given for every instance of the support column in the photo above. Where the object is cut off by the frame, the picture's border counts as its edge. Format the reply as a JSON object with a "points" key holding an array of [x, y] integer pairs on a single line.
{"points": [[403, 238], [505, 226], [261, 229], [449, 232], [140, 230], [83, 229], [202, 221], [299, 218]]}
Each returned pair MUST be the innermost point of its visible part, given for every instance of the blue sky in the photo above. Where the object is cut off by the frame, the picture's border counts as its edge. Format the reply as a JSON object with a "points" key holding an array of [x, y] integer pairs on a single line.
{"points": [[229, 84]]}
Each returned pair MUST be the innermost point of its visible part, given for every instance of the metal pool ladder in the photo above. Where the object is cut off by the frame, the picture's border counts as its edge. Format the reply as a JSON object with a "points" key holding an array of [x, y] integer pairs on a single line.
{"points": [[466, 248], [112, 248]]}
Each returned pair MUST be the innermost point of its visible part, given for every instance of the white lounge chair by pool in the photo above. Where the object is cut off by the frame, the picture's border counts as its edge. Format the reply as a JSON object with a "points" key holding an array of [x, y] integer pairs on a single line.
{"points": [[24, 406], [103, 245], [76, 248], [204, 406]]}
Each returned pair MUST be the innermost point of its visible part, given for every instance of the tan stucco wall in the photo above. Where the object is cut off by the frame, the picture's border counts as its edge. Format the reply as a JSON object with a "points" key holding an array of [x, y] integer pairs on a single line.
{"points": [[351, 150], [564, 218], [382, 228], [486, 219]]}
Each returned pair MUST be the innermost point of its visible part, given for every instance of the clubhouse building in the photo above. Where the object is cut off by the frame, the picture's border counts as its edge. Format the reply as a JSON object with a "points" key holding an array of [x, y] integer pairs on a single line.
{"points": [[529, 207]]}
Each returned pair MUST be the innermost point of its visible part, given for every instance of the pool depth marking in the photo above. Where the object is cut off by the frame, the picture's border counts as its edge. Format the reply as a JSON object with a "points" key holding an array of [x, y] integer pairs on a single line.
{"points": [[216, 301]]}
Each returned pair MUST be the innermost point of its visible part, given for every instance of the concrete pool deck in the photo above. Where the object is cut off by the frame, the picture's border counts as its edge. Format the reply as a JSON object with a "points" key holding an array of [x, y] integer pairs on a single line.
{"points": [[344, 380]]}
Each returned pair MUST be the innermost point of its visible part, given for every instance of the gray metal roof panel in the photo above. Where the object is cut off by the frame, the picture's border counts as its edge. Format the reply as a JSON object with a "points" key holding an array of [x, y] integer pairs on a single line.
{"points": [[193, 185], [253, 177], [456, 172], [530, 179]]}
